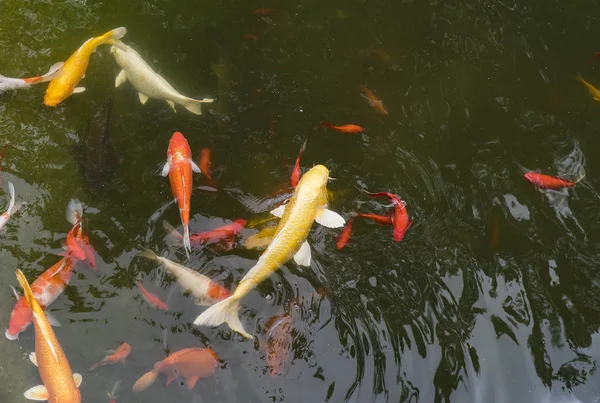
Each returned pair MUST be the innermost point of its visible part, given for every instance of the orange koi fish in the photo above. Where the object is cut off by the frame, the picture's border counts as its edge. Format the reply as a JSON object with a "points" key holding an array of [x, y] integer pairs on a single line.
{"points": [[179, 167], [379, 219], [278, 345], [151, 299], [114, 356], [400, 217], [373, 100], [296, 172], [189, 363], [345, 235], [344, 128], [205, 162], [77, 243], [219, 234], [60, 384], [547, 182]]}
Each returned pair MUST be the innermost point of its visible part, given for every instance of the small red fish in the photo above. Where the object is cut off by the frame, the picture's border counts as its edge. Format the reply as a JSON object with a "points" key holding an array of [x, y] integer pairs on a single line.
{"points": [[224, 233], [272, 127], [251, 37], [379, 219], [189, 363], [263, 11], [343, 129], [595, 55], [179, 167], [205, 163], [400, 217], [373, 100], [296, 173], [547, 182], [151, 299], [345, 235], [77, 243], [118, 355], [278, 346]]}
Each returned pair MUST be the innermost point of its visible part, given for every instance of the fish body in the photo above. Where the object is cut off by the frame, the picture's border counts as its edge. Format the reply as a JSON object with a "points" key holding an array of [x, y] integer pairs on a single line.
{"points": [[379, 219], [75, 67], [46, 289], [296, 172], [594, 92], [547, 182], [205, 162], [400, 218], [12, 207], [60, 385], [206, 291], [308, 203], [98, 148], [179, 167], [189, 363], [344, 128], [151, 299], [9, 83], [372, 99], [119, 355], [279, 339], [345, 235], [147, 82]]}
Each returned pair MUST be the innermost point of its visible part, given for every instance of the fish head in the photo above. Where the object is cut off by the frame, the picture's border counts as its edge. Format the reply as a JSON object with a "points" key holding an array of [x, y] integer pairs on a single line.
{"points": [[179, 145], [20, 319], [532, 177], [315, 181], [55, 95], [119, 55]]}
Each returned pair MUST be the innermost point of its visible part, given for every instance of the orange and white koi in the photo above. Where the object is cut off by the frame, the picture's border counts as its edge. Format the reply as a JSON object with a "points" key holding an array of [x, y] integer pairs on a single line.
{"points": [[189, 363], [114, 356], [12, 207], [179, 167], [60, 384], [372, 99], [9, 83], [151, 299], [71, 73]]}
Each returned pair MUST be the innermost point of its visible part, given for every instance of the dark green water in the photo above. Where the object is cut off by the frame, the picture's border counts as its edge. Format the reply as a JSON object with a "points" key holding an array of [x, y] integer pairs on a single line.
{"points": [[493, 295]]}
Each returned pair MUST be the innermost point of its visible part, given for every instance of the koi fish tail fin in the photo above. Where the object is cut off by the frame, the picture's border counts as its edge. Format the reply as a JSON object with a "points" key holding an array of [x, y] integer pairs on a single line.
{"points": [[148, 254], [581, 174], [186, 240], [27, 291], [74, 211], [172, 231], [194, 105], [117, 33], [11, 204], [225, 311], [96, 365], [54, 72], [145, 381]]}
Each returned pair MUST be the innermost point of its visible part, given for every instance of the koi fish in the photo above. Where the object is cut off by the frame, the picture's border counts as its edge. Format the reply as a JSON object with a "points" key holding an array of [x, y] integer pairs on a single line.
{"points": [[593, 90], [547, 182], [379, 219], [113, 395], [308, 204], [46, 289], [345, 235], [9, 83], [114, 356], [206, 291], [343, 128], [151, 299], [71, 73], [77, 243], [2, 157], [400, 218], [224, 233], [372, 99], [263, 11], [60, 384], [205, 163], [278, 346], [189, 363], [147, 82], [296, 172], [12, 208], [179, 167]]}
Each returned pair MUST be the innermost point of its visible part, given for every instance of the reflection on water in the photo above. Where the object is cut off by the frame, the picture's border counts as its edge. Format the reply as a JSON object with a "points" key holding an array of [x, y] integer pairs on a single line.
{"points": [[493, 294]]}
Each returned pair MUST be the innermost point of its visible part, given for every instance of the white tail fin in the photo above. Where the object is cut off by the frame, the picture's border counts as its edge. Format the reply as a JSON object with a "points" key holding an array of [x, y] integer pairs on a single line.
{"points": [[53, 73], [11, 204], [74, 211], [224, 311], [117, 33], [194, 105], [148, 254], [172, 231], [186, 240]]}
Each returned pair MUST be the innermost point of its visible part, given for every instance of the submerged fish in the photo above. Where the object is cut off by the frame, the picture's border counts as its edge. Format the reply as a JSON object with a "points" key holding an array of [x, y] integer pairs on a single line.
{"points": [[151, 299], [226, 233], [206, 291], [114, 356], [344, 128], [71, 73], [278, 344], [379, 219], [147, 82], [9, 83], [189, 363], [593, 90], [12, 207], [400, 218], [296, 172], [98, 148], [308, 204], [179, 168], [547, 182], [60, 384], [205, 163], [372, 99], [345, 235]]}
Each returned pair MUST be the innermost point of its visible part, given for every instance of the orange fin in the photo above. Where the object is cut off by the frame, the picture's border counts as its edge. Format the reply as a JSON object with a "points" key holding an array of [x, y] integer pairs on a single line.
{"points": [[191, 381]]}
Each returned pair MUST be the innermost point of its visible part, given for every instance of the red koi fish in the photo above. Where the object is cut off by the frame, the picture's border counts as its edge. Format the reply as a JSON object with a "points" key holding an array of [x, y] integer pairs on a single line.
{"points": [[179, 167], [343, 128], [46, 289], [379, 219], [263, 11], [296, 173], [114, 356], [77, 243], [224, 233], [547, 182], [205, 162], [278, 345], [372, 99], [400, 217], [151, 299], [345, 235], [189, 363]]}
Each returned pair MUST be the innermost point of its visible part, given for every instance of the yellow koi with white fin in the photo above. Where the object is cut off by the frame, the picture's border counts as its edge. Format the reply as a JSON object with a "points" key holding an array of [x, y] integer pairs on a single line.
{"points": [[75, 67], [308, 204]]}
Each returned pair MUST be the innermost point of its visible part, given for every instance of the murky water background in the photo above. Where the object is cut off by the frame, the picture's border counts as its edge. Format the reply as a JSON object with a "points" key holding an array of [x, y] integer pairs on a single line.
{"points": [[492, 296]]}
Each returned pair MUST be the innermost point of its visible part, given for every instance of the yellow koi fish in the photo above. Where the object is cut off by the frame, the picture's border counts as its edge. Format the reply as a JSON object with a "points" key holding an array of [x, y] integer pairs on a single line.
{"points": [[593, 90], [308, 204], [60, 383], [74, 68]]}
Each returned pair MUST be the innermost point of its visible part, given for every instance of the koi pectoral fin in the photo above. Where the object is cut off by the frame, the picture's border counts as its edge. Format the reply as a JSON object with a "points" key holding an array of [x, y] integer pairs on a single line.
{"points": [[78, 379], [303, 256], [278, 212], [330, 219], [191, 381], [39, 393], [33, 359], [143, 98], [121, 78], [78, 90], [166, 169]]}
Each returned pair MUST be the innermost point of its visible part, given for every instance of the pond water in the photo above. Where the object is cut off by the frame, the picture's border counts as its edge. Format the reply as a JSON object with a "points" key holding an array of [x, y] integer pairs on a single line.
{"points": [[494, 293]]}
